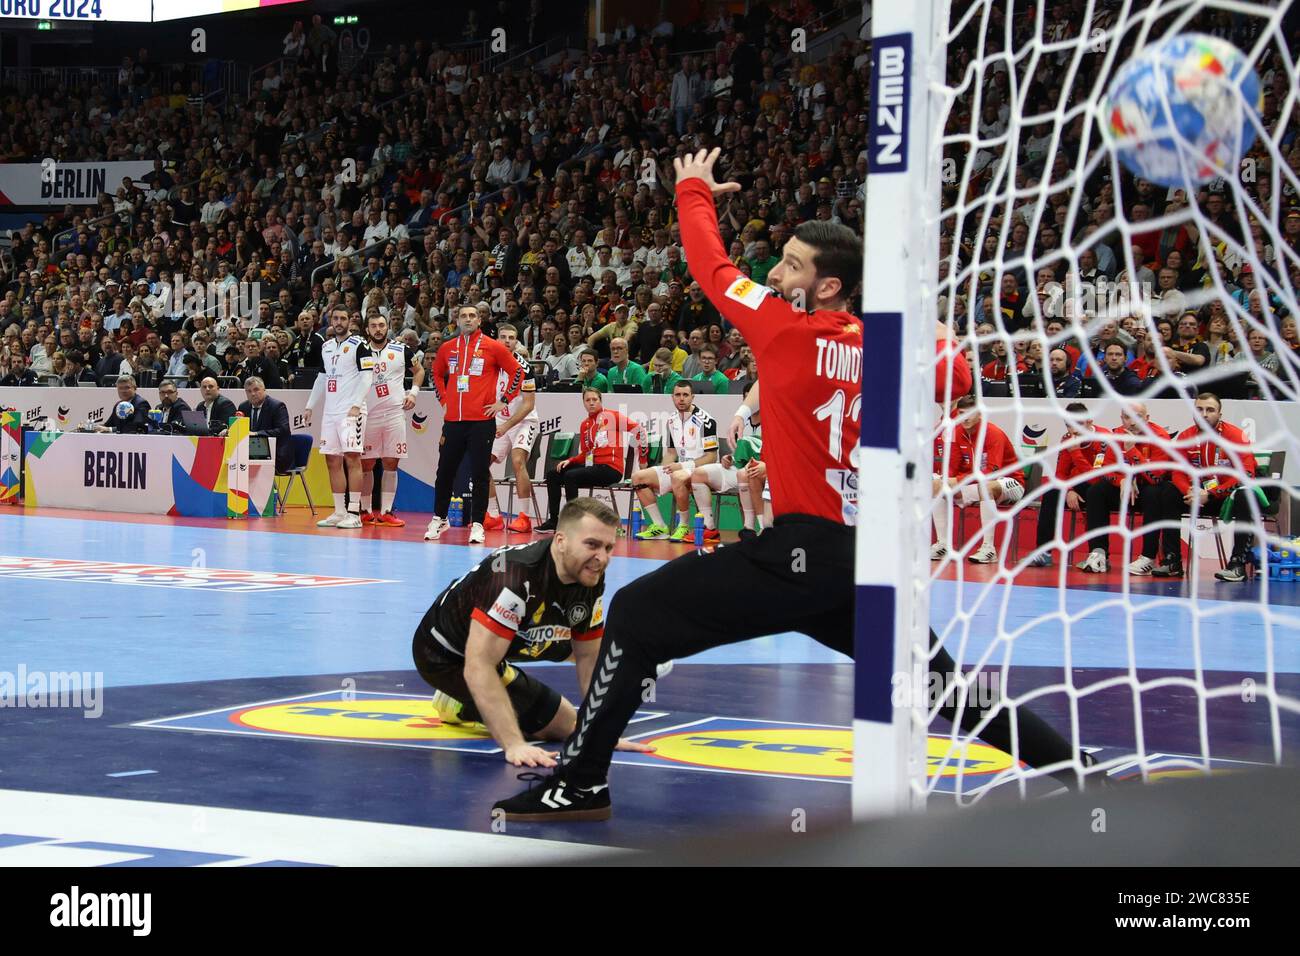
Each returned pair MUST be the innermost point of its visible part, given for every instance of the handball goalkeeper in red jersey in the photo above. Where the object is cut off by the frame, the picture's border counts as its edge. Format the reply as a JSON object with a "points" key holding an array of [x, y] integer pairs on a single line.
{"points": [[797, 575]]}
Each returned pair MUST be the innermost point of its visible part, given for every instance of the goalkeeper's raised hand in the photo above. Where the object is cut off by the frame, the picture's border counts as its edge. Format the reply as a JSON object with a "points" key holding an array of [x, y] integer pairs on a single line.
{"points": [[700, 166]]}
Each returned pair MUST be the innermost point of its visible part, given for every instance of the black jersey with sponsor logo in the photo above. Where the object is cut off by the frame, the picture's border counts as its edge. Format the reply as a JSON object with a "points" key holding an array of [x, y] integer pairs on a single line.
{"points": [[516, 593]]}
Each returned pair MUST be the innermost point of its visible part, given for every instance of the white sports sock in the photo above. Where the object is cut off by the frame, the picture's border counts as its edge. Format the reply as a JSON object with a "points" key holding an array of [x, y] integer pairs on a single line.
{"points": [[523, 506], [767, 514], [989, 519], [746, 503], [941, 523], [704, 501], [340, 503], [655, 514], [388, 490], [683, 517]]}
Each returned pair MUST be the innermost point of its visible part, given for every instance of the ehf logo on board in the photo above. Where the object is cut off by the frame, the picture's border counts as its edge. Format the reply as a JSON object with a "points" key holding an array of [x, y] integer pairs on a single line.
{"points": [[887, 127]]}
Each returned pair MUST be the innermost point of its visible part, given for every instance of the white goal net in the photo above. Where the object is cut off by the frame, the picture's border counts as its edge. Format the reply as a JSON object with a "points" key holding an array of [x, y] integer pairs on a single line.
{"points": [[1104, 540]]}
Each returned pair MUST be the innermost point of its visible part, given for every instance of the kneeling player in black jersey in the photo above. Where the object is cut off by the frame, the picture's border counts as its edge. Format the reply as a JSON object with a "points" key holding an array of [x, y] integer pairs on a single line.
{"points": [[525, 602]]}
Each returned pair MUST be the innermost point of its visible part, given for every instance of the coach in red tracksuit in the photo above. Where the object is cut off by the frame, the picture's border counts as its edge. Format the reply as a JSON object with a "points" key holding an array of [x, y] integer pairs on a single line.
{"points": [[599, 461], [1221, 445], [464, 377]]}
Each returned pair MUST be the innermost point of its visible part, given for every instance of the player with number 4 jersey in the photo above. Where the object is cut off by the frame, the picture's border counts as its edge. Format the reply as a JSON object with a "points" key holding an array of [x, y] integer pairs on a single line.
{"points": [[517, 431]]}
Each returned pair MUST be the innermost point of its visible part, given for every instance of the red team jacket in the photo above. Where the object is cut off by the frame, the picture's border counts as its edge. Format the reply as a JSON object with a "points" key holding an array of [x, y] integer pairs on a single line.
{"points": [[465, 376], [998, 453], [1144, 456], [1073, 463], [1213, 452], [811, 369], [602, 436]]}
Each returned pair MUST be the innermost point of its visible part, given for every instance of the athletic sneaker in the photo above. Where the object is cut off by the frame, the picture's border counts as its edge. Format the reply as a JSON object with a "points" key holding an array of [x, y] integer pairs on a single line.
{"points": [[1095, 563], [746, 534], [389, 520], [436, 527], [521, 525], [494, 522], [350, 521], [682, 534], [938, 551], [1172, 568], [652, 532], [985, 555], [547, 526], [1234, 572], [663, 670], [476, 533], [369, 517], [712, 535], [1141, 565], [554, 798], [1043, 560], [448, 710], [332, 521]]}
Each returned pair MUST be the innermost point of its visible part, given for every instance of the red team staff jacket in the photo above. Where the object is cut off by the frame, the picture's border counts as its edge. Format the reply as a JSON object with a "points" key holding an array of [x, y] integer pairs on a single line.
{"points": [[1144, 457], [603, 437], [465, 376], [996, 454], [1216, 451], [811, 368], [1074, 466]]}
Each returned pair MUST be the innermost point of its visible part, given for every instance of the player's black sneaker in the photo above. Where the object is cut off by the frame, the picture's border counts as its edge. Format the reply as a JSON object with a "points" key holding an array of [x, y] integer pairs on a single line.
{"points": [[555, 798], [1235, 571], [546, 527], [1172, 568]]}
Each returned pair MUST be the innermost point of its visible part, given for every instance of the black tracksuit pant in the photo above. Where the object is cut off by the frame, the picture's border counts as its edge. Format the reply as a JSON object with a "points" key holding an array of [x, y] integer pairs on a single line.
{"points": [[458, 440], [574, 477], [1161, 501], [796, 576]]}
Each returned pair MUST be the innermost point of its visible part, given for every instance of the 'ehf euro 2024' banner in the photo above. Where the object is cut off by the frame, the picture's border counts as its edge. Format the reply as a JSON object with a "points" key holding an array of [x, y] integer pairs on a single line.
{"points": [[127, 11], [57, 184]]}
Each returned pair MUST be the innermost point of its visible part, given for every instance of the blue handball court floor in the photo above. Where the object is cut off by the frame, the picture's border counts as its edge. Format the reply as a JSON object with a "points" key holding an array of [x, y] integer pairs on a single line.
{"points": [[231, 697]]}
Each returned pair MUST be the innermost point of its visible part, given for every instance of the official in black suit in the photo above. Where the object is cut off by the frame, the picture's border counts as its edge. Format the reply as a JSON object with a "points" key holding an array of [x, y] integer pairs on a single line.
{"points": [[171, 403], [216, 408], [138, 421], [268, 416]]}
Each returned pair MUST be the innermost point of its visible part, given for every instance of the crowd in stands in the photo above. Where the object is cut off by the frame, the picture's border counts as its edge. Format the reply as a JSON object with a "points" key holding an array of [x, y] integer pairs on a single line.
{"points": [[413, 182]]}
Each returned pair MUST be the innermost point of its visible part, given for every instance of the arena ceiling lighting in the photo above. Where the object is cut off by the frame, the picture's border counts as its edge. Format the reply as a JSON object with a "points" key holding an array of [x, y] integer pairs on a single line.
{"points": [[125, 11]]}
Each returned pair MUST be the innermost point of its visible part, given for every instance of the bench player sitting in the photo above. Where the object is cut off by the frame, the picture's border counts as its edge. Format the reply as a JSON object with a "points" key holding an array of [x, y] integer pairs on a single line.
{"points": [[1075, 466], [517, 432], [691, 441], [735, 474], [1214, 444], [959, 478]]}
